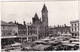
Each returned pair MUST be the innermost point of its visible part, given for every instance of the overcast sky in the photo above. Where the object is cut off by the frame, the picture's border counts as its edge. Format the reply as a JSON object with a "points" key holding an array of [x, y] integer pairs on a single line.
{"points": [[60, 12]]}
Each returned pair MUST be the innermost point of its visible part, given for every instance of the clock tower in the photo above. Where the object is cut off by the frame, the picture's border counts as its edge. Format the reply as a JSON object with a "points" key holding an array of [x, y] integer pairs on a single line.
{"points": [[45, 19], [45, 15]]}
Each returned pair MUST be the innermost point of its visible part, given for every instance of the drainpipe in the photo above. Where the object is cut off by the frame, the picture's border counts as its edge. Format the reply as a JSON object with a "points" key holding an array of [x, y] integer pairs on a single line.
{"points": [[37, 31], [27, 33]]}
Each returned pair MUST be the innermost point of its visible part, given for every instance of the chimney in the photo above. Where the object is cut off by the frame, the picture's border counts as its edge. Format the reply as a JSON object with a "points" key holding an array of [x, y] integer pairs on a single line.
{"points": [[24, 22], [30, 22], [58, 25], [10, 22], [15, 22], [64, 25]]}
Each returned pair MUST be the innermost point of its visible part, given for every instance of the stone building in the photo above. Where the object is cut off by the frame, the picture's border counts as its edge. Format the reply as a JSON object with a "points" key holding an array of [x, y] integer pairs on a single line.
{"points": [[75, 29], [9, 32], [41, 23], [38, 29], [32, 32], [60, 31], [22, 32]]}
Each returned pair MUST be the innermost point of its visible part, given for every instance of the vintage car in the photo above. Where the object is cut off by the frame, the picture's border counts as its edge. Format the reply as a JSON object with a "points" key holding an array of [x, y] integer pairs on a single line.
{"points": [[45, 39], [54, 43], [74, 40], [42, 47], [16, 46], [41, 42], [77, 45], [69, 46], [28, 48]]}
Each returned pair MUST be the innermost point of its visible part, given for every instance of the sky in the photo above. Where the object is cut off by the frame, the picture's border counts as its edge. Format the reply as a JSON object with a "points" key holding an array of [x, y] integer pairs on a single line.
{"points": [[59, 12]]}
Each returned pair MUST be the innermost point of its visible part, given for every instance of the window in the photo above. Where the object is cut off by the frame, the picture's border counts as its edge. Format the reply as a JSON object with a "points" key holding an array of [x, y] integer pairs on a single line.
{"points": [[3, 27], [72, 34], [78, 34], [75, 34], [75, 29], [72, 24], [75, 24], [72, 29]]}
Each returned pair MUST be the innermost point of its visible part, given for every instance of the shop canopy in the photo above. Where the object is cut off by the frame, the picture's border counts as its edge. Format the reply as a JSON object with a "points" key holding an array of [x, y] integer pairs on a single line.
{"points": [[8, 37]]}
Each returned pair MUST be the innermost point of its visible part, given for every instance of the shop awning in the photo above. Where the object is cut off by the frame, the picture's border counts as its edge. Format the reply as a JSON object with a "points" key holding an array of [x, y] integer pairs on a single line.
{"points": [[8, 37]]}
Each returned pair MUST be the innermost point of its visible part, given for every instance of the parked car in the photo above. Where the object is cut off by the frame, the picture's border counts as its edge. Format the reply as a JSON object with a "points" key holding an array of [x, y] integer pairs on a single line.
{"points": [[42, 47], [28, 48], [77, 45], [69, 46], [16, 46]]}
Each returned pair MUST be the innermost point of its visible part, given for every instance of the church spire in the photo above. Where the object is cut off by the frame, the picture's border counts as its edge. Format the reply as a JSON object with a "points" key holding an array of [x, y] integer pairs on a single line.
{"points": [[44, 8]]}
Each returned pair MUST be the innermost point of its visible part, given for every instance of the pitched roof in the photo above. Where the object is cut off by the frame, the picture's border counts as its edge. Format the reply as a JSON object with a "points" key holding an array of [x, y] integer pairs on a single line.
{"points": [[74, 21], [61, 28], [35, 16], [20, 26], [11, 23], [4, 23], [44, 8], [7, 24]]}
